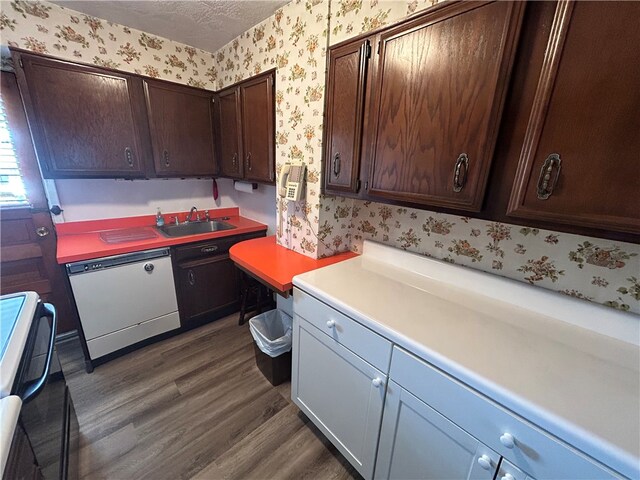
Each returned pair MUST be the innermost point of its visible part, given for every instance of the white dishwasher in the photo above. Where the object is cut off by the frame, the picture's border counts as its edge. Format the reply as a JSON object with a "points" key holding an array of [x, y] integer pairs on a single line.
{"points": [[124, 299]]}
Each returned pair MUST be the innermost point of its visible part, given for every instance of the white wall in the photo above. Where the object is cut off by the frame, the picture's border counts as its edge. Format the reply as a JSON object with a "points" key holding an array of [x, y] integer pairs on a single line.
{"points": [[96, 199]]}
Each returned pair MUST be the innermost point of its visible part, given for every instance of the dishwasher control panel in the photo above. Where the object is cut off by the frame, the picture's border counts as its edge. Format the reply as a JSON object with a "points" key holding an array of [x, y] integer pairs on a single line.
{"points": [[114, 261]]}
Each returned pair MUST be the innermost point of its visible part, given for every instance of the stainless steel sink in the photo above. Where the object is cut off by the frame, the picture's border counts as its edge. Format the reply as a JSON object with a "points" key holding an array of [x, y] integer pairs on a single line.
{"points": [[194, 228]]}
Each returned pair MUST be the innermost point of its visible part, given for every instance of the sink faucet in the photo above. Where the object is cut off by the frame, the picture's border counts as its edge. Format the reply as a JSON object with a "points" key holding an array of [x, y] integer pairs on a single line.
{"points": [[190, 216]]}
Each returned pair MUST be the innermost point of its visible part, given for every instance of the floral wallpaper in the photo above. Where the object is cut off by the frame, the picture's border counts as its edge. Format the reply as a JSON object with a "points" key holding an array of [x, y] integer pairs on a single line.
{"points": [[48, 28], [353, 17], [294, 41], [592, 269]]}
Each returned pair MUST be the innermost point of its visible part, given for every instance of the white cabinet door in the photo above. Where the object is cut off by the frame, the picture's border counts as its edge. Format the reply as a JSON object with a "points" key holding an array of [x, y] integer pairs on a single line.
{"points": [[341, 393], [416, 442]]}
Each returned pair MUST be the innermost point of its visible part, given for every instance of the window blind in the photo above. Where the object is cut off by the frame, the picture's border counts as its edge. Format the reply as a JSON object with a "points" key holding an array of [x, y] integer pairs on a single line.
{"points": [[12, 190]]}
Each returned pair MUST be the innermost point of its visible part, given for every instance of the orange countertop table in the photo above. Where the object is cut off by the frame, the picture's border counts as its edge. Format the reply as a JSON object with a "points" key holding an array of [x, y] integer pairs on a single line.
{"points": [[276, 265]]}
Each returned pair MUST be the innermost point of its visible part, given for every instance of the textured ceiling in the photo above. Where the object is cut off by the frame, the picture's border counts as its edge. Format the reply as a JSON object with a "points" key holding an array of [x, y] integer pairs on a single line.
{"points": [[208, 25]]}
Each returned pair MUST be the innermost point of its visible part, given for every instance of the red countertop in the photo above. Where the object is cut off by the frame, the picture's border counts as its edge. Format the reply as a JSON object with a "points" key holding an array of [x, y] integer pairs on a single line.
{"points": [[81, 240], [275, 264]]}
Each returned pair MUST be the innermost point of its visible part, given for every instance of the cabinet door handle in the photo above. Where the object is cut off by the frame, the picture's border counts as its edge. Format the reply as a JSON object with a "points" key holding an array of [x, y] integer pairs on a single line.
{"points": [[42, 231], [336, 165], [376, 382], [485, 462], [546, 181], [128, 155], [148, 267], [507, 440], [460, 172], [331, 324], [192, 278], [165, 156], [210, 249], [249, 161]]}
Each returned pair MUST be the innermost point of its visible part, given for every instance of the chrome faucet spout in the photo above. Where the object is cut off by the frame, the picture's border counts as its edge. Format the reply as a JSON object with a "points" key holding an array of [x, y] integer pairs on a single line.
{"points": [[190, 216]]}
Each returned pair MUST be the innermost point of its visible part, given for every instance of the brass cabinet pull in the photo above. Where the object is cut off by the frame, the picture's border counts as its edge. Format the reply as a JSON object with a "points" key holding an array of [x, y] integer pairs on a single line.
{"points": [[460, 174], [192, 278], [165, 155], [336, 164], [249, 161], [128, 155], [547, 181]]}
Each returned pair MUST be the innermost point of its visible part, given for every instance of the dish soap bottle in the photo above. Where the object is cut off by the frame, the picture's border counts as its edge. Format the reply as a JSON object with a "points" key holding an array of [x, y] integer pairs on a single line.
{"points": [[159, 219]]}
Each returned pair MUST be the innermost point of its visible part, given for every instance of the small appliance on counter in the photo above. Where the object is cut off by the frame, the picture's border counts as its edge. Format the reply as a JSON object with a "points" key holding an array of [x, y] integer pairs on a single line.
{"points": [[32, 382]]}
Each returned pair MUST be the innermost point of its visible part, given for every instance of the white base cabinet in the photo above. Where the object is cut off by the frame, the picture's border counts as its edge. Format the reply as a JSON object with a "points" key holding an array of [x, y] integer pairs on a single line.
{"points": [[340, 392], [416, 442], [434, 427]]}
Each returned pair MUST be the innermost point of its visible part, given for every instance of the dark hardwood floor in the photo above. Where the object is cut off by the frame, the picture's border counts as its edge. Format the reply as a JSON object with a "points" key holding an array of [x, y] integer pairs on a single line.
{"points": [[194, 406]]}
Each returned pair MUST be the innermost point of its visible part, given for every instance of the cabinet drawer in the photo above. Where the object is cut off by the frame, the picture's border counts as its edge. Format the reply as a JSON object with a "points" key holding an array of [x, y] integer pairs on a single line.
{"points": [[535, 452], [363, 342], [217, 246]]}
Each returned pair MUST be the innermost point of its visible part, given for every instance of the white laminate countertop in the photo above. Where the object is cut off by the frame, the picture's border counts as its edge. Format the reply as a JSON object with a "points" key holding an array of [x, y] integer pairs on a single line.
{"points": [[566, 365], [9, 413]]}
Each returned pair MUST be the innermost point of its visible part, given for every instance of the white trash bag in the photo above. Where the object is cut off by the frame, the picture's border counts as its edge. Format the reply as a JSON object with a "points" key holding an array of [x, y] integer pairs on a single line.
{"points": [[272, 332]]}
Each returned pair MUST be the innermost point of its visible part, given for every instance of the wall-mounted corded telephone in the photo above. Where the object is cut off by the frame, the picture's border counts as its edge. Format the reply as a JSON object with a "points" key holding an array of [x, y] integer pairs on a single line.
{"points": [[292, 181]]}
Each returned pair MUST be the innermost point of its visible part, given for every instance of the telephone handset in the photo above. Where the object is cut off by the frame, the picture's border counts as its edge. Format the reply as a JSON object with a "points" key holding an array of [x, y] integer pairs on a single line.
{"points": [[292, 180]]}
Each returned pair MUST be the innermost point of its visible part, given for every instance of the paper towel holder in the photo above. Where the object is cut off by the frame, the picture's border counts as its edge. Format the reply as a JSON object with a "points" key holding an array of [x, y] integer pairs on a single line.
{"points": [[254, 186]]}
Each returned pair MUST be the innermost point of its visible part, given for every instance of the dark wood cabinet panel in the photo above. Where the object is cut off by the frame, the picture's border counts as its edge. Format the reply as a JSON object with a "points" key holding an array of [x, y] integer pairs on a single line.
{"points": [[85, 122], [228, 138], [181, 126], [344, 116], [208, 284], [207, 280], [439, 92], [579, 163], [258, 134]]}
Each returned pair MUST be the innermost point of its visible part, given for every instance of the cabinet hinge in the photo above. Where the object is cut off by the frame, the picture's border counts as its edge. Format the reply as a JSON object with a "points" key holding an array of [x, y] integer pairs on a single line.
{"points": [[367, 51], [378, 47], [358, 184], [366, 185], [20, 63]]}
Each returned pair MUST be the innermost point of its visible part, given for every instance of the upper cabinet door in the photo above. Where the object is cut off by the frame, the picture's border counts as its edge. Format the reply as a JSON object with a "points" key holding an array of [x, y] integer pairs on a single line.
{"points": [[181, 125], [228, 133], [346, 87], [258, 111], [440, 89], [579, 164], [85, 122]]}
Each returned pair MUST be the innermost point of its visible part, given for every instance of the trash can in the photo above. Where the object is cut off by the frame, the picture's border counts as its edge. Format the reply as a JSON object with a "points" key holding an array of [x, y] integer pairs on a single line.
{"points": [[272, 332]]}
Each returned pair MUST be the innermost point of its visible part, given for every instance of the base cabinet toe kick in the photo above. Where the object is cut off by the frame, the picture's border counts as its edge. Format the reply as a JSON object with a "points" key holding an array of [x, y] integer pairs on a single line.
{"points": [[395, 416]]}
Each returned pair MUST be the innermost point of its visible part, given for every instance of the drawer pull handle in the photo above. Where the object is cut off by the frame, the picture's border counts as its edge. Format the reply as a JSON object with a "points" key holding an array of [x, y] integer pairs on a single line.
{"points": [[508, 476], [331, 324], [460, 177], [209, 249], [376, 382], [507, 440], [485, 462], [547, 181]]}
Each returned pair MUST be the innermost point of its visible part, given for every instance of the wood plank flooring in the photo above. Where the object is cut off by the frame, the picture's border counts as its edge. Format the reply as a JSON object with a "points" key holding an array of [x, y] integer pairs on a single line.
{"points": [[194, 406]]}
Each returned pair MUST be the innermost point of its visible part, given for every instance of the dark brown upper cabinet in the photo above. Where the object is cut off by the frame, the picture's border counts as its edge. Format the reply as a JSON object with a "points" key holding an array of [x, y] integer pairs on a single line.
{"points": [[439, 91], [344, 116], [229, 137], [258, 133], [85, 121], [245, 122], [181, 126], [579, 163]]}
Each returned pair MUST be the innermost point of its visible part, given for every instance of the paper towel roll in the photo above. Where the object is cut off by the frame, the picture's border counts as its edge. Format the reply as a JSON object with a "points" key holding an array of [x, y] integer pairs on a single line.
{"points": [[245, 187]]}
